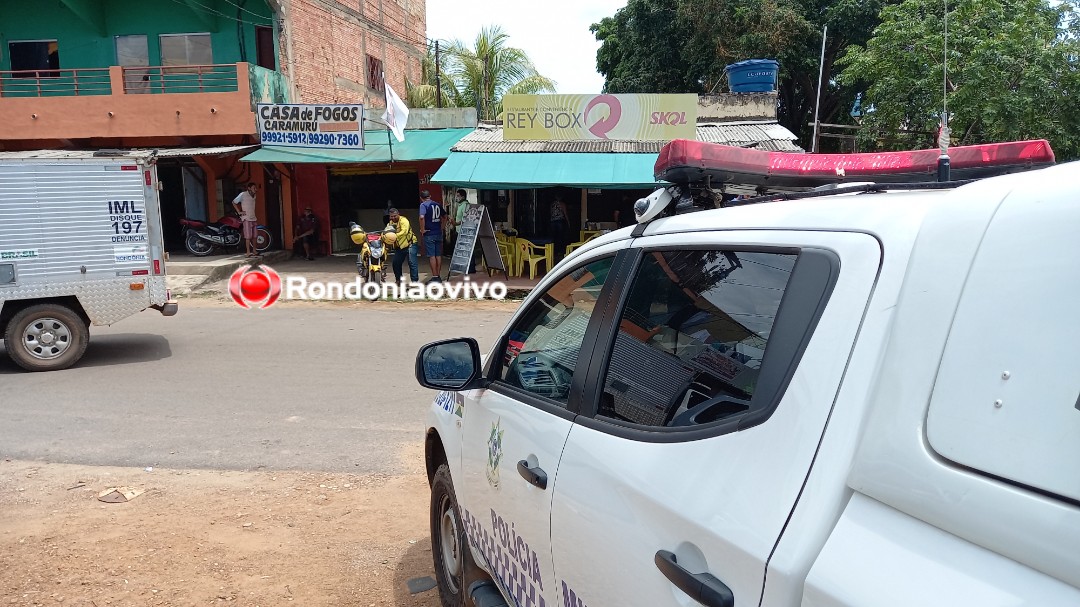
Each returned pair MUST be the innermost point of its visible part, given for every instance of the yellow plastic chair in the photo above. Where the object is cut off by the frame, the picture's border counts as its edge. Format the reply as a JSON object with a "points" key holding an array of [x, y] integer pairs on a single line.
{"points": [[532, 254], [506, 250], [574, 245]]}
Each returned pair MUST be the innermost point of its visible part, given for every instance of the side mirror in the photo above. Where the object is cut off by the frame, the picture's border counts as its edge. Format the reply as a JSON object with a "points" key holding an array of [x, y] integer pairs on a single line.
{"points": [[452, 365]]}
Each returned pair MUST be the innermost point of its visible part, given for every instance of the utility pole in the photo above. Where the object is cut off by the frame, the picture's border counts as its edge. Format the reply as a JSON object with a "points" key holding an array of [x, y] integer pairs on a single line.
{"points": [[438, 83], [817, 103], [944, 166]]}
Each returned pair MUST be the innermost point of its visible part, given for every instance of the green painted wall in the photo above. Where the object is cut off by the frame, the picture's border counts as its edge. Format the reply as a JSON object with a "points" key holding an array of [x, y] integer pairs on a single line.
{"points": [[85, 29]]}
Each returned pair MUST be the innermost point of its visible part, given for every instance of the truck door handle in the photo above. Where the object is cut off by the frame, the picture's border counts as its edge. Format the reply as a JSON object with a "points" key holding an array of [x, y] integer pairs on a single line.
{"points": [[702, 587], [536, 475]]}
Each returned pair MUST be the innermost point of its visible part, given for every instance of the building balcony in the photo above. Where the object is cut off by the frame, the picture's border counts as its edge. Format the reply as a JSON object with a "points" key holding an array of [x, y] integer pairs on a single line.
{"points": [[136, 103]]}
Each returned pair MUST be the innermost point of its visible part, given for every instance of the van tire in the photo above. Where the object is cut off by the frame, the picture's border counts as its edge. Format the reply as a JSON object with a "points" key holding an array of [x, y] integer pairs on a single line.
{"points": [[66, 332], [446, 527]]}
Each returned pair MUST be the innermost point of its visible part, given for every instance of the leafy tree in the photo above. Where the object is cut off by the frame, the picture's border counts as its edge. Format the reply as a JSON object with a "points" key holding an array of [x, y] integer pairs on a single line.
{"points": [[640, 49], [1012, 73], [683, 46]]}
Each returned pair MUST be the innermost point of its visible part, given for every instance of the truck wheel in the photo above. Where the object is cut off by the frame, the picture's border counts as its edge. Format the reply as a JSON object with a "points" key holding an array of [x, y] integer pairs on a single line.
{"points": [[448, 545], [46, 337]]}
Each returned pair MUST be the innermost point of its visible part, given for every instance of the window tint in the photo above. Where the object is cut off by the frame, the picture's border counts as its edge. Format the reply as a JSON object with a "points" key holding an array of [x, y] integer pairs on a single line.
{"points": [[692, 336], [542, 347]]}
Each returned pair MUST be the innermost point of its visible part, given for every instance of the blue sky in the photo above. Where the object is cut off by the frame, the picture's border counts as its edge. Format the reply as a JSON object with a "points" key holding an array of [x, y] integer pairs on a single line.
{"points": [[554, 33]]}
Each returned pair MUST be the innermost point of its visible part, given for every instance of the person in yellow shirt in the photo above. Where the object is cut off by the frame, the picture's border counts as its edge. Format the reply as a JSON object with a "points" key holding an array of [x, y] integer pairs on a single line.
{"points": [[405, 246]]}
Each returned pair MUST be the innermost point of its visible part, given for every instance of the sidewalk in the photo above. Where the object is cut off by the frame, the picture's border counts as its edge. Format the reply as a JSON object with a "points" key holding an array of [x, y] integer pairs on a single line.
{"points": [[189, 274]]}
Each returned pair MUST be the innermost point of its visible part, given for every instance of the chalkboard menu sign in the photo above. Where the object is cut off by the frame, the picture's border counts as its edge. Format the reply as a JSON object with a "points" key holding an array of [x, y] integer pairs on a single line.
{"points": [[475, 228]]}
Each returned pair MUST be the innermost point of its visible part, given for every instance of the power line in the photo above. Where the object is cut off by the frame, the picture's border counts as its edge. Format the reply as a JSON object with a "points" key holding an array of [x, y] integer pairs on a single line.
{"points": [[246, 10], [211, 10]]}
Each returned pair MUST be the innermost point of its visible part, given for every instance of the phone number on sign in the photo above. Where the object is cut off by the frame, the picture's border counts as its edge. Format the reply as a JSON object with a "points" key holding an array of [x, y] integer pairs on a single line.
{"points": [[325, 139]]}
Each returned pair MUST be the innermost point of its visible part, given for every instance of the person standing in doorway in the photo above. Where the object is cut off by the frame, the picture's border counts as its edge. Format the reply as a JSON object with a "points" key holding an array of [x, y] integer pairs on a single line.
{"points": [[404, 245], [431, 229], [244, 204], [560, 226], [307, 232]]}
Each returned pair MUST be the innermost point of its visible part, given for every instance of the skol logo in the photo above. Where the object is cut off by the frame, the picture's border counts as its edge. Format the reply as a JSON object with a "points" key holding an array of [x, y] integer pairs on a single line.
{"points": [[258, 286]]}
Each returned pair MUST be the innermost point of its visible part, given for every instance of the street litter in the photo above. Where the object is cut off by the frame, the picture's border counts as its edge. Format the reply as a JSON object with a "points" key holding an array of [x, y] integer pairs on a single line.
{"points": [[114, 495]]}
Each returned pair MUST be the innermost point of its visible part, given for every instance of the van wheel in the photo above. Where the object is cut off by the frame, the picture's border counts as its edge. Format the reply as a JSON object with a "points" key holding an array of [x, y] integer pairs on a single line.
{"points": [[46, 337], [448, 547]]}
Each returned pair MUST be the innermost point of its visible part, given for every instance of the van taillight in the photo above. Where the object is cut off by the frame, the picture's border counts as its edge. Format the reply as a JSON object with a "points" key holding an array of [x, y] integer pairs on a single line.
{"points": [[157, 266], [147, 175]]}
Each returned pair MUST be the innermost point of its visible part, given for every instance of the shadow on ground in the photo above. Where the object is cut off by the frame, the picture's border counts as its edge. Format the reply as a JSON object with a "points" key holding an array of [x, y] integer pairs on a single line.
{"points": [[108, 350], [415, 565]]}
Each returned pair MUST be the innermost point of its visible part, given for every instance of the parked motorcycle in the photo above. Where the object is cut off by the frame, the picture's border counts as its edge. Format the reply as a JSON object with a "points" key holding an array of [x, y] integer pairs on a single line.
{"points": [[202, 238], [371, 262]]}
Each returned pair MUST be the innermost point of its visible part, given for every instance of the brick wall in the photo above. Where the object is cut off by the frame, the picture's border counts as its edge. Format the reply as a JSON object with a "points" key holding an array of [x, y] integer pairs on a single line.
{"points": [[331, 39]]}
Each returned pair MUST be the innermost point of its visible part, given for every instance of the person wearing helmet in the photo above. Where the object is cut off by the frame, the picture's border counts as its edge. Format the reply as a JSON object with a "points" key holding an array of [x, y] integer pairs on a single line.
{"points": [[402, 240]]}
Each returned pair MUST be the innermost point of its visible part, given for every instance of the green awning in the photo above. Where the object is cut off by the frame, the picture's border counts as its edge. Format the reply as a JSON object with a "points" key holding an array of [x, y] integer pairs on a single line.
{"points": [[419, 144], [523, 170]]}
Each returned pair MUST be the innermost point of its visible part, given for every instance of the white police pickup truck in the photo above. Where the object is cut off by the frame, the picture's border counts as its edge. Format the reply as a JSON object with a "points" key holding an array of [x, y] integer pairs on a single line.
{"points": [[847, 399]]}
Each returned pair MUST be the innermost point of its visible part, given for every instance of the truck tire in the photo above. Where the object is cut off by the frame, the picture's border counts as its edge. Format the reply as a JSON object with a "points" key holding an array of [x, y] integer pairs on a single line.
{"points": [[448, 545], [46, 337]]}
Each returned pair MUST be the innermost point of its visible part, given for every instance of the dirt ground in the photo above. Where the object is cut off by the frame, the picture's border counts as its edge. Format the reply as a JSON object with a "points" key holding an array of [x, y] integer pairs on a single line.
{"points": [[200, 537], [205, 537]]}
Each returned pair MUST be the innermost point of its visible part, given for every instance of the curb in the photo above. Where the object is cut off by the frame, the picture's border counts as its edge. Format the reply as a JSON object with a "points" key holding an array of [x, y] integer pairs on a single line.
{"points": [[225, 270]]}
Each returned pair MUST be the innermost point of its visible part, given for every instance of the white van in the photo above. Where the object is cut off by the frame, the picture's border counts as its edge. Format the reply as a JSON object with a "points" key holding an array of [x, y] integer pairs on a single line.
{"points": [[846, 399], [80, 244]]}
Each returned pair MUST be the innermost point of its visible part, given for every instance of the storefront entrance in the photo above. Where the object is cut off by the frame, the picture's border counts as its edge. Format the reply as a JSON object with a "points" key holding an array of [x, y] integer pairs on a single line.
{"points": [[364, 198]]}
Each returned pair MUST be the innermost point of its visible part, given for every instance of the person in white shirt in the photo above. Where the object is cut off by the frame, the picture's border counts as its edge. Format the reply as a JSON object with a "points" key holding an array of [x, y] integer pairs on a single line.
{"points": [[244, 203]]}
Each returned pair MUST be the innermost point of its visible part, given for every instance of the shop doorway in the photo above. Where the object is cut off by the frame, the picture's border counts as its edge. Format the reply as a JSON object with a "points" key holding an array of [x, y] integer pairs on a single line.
{"points": [[272, 201], [365, 198]]}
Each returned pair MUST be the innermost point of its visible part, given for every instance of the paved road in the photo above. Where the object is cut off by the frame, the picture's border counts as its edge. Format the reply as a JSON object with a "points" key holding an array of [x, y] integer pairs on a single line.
{"points": [[292, 387]]}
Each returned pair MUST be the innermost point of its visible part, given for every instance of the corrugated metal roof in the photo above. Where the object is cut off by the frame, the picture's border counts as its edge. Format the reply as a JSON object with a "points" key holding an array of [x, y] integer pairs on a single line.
{"points": [[133, 153], [768, 136]]}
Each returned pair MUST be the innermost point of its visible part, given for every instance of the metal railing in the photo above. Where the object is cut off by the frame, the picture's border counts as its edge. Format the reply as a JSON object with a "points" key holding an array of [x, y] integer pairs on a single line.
{"points": [[180, 79], [55, 83]]}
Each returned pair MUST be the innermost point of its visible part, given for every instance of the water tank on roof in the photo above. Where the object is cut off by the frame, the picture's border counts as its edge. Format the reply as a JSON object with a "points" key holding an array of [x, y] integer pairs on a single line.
{"points": [[753, 76]]}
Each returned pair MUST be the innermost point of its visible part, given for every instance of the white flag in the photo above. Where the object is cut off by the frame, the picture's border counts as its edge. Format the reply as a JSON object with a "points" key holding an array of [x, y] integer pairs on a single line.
{"points": [[396, 114]]}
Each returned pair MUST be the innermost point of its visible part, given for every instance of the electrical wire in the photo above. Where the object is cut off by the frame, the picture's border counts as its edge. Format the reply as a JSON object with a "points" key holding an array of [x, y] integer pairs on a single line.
{"points": [[212, 11], [244, 9]]}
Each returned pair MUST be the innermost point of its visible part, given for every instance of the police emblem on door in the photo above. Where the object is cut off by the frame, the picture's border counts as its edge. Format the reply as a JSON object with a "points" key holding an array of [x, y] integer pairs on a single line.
{"points": [[494, 454]]}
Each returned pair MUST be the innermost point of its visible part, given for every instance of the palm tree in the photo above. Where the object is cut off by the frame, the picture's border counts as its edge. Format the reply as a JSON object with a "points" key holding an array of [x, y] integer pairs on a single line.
{"points": [[422, 94], [483, 74]]}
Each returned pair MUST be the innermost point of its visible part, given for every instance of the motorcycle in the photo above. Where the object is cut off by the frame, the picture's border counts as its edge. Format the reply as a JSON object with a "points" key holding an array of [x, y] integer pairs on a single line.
{"points": [[201, 238], [371, 262]]}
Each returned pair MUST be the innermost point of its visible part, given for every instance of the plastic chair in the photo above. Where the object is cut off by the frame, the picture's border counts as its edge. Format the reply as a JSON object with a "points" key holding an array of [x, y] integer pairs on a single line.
{"points": [[508, 250], [532, 254], [574, 245]]}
